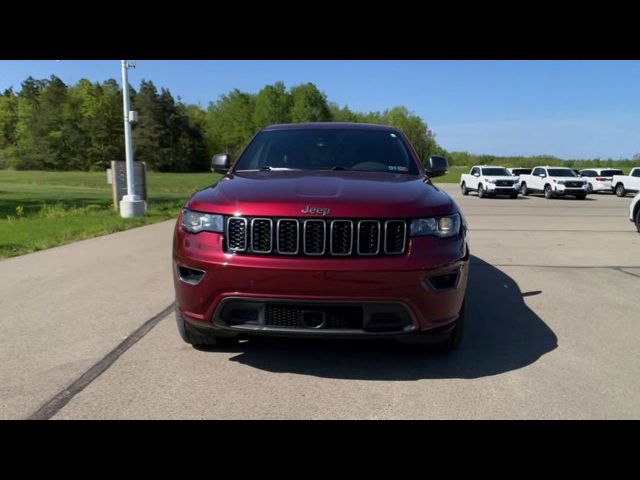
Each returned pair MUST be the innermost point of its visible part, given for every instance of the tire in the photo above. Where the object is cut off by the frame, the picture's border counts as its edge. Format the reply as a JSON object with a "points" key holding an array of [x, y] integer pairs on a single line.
{"points": [[524, 191], [620, 190], [548, 193], [199, 337], [464, 189], [514, 195], [581, 197], [481, 193], [589, 188], [638, 219]]}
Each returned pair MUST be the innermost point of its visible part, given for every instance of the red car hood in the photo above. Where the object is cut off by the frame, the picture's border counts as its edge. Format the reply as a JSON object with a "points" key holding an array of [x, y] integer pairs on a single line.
{"points": [[346, 194]]}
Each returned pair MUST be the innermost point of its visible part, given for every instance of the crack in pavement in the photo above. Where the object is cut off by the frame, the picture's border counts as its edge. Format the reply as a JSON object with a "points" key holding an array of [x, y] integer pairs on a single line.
{"points": [[58, 401]]}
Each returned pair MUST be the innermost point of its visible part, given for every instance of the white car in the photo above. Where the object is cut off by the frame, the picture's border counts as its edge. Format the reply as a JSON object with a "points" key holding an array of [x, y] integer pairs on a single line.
{"points": [[489, 181], [599, 178], [554, 182], [634, 211], [623, 184]]}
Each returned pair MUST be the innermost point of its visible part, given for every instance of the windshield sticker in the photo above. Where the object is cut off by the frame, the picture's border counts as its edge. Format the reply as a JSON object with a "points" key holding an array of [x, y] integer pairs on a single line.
{"points": [[396, 168]]}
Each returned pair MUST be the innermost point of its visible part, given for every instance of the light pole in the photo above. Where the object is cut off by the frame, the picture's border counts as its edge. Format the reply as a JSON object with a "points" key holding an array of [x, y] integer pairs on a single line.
{"points": [[131, 205]]}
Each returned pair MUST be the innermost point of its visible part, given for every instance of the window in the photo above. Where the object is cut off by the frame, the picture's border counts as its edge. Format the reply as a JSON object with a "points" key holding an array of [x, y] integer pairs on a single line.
{"points": [[328, 149], [538, 171], [496, 172], [636, 173], [589, 173]]}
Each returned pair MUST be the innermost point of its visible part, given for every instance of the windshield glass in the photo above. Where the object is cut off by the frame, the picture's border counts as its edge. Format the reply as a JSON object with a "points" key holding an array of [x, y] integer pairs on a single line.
{"points": [[561, 172], [496, 171], [328, 149], [521, 171], [611, 173]]}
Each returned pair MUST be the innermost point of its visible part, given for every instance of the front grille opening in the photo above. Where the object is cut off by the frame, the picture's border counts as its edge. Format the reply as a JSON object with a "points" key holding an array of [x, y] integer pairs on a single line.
{"points": [[191, 276], [241, 313], [314, 237], [446, 281], [305, 316], [288, 237], [395, 237], [261, 238], [237, 234]]}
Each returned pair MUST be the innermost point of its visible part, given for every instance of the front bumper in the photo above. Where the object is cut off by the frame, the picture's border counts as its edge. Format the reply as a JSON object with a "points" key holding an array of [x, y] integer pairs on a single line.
{"points": [[502, 190], [562, 190], [406, 284]]}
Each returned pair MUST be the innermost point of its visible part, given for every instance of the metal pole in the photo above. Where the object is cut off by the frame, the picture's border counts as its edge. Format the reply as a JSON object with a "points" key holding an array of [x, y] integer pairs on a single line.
{"points": [[131, 189], [130, 205]]}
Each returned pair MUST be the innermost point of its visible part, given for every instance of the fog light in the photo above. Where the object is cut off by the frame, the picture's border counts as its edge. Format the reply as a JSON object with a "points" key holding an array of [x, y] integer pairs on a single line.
{"points": [[446, 281], [191, 276]]}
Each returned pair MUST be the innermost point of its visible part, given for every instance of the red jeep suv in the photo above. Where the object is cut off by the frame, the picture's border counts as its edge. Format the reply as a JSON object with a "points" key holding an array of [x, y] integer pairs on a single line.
{"points": [[322, 230]]}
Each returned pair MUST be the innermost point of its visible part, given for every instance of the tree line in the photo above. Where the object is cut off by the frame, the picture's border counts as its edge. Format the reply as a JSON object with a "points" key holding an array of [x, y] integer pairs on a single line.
{"points": [[49, 125]]}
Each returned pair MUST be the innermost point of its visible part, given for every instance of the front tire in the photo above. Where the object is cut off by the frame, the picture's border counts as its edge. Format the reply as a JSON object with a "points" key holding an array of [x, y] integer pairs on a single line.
{"points": [[200, 337], [464, 189], [589, 188], [638, 219], [514, 195], [524, 191], [581, 197], [548, 193], [620, 190], [481, 193]]}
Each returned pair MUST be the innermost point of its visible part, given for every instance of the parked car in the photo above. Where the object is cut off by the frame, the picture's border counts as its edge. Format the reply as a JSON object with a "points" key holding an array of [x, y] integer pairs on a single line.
{"points": [[599, 179], [322, 230], [489, 181], [634, 211], [516, 172], [623, 184], [553, 182]]}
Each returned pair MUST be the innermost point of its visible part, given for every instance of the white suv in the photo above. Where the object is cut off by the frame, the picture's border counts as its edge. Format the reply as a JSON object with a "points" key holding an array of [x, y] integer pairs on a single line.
{"points": [[599, 178], [554, 182]]}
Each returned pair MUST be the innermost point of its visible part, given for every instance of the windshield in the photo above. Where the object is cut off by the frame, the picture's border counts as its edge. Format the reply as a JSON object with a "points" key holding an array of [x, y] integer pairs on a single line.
{"points": [[611, 173], [328, 149], [521, 171], [561, 172], [496, 171]]}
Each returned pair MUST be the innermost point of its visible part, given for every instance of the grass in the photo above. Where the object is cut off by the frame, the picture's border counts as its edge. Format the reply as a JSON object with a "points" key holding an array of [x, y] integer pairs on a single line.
{"points": [[40, 210]]}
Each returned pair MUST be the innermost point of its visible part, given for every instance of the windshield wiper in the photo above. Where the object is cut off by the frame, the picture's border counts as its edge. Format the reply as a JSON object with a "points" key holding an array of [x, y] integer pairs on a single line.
{"points": [[339, 168]]}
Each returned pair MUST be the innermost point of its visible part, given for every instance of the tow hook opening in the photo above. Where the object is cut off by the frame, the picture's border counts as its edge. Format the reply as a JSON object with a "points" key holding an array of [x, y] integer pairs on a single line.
{"points": [[314, 318]]}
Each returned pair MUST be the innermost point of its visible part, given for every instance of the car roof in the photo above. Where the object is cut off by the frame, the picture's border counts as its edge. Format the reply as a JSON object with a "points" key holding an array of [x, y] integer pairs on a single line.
{"points": [[599, 169], [329, 125]]}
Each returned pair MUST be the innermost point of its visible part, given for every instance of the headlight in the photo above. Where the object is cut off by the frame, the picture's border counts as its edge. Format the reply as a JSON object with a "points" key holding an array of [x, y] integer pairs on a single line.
{"points": [[443, 227], [489, 180], [196, 222], [561, 182]]}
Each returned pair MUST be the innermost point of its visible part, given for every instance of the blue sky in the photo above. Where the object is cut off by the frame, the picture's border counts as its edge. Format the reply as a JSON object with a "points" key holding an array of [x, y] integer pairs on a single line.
{"points": [[571, 109]]}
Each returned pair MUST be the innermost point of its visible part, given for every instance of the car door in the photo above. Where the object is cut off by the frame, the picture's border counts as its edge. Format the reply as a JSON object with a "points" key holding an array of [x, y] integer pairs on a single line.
{"points": [[536, 180], [473, 180]]}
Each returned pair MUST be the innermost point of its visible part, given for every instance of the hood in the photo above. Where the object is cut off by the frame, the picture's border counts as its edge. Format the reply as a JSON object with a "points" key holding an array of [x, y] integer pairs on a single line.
{"points": [[310, 193], [502, 177]]}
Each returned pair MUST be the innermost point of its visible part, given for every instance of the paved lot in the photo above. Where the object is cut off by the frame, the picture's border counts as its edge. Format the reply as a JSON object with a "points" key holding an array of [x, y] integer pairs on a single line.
{"points": [[552, 333]]}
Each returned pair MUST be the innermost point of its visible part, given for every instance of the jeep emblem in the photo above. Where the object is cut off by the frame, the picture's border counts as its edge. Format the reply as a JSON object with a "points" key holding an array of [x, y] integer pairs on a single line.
{"points": [[316, 211]]}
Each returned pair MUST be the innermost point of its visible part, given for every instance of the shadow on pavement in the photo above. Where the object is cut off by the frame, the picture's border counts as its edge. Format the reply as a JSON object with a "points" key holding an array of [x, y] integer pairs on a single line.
{"points": [[502, 334]]}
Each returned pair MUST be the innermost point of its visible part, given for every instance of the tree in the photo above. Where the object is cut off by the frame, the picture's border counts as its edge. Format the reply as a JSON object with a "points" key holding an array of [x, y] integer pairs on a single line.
{"points": [[272, 105], [230, 121], [309, 104]]}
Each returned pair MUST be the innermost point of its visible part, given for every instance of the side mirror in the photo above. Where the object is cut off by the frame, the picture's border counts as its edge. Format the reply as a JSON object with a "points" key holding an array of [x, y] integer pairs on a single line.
{"points": [[542, 175], [476, 174], [221, 163], [437, 167]]}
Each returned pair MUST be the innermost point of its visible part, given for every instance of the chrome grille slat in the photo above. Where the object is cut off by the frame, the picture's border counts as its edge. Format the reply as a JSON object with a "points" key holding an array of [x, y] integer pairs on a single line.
{"points": [[338, 238], [261, 234], [285, 237], [369, 235], [392, 229], [237, 234], [312, 238]]}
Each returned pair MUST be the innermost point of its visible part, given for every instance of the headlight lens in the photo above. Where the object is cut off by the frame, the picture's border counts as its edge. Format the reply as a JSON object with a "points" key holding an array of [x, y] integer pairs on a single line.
{"points": [[489, 180], [443, 227], [561, 182], [196, 222]]}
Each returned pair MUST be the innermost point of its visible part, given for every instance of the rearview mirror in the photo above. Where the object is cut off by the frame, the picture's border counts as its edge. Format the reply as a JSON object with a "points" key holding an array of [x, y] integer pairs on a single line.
{"points": [[437, 166], [221, 163]]}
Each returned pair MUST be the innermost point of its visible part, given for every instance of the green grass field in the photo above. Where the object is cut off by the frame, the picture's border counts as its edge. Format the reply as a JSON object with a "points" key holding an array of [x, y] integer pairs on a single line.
{"points": [[40, 210]]}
